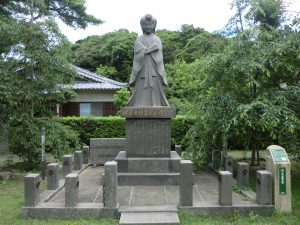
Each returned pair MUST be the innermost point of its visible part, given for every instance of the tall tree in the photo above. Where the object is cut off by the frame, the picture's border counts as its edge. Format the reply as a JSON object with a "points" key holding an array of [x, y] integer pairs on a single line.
{"points": [[35, 66], [251, 92], [110, 54]]}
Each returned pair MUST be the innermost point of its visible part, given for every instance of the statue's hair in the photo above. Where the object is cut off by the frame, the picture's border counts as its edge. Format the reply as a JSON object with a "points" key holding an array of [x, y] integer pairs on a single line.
{"points": [[148, 17]]}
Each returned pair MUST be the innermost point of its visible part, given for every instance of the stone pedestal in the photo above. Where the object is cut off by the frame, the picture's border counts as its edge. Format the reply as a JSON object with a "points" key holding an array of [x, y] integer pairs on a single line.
{"points": [[148, 131], [148, 159]]}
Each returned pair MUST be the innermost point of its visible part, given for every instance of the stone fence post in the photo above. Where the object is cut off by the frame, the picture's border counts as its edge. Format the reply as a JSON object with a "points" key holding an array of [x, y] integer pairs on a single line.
{"points": [[228, 163], [78, 159], [110, 184], [52, 176], [86, 154], [225, 188], [186, 183], [71, 189], [67, 165], [242, 174], [264, 188], [32, 190]]}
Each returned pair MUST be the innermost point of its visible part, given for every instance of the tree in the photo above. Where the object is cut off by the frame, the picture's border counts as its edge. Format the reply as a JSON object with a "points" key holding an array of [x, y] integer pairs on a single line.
{"points": [[110, 54], [250, 95], [35, 67]]}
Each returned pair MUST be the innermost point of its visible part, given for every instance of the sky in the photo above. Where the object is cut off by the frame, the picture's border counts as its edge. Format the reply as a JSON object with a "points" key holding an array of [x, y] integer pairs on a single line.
{"points": [[212, 15]]}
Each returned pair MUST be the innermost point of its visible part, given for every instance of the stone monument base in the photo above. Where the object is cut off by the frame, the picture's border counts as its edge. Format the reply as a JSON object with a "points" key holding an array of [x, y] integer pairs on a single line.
{"points": [[148, 131], [148, 171]]}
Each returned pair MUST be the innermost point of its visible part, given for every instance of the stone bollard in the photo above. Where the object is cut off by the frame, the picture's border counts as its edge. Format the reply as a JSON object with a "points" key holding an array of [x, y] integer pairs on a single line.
{"points": [[110, 184], [32, 190], [78, 159], [86, 154], [264, 187], [228, 163], [52, 176], [242, 174], [186, 183], [67, 165], [225, 188], [178, 149], [71, 189]]}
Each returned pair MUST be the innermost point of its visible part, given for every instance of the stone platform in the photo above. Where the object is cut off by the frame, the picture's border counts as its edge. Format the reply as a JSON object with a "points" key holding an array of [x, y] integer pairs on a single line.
{"points": [[148, 171], [140, 198]]}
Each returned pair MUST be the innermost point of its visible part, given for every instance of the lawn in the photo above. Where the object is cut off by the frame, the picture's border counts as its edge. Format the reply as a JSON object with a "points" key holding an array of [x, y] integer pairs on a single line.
{"points": [[12, 200]]}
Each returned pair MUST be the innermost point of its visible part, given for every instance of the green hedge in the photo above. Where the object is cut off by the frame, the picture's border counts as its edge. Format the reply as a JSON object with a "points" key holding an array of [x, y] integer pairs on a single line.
{"points": [[114, 127]]}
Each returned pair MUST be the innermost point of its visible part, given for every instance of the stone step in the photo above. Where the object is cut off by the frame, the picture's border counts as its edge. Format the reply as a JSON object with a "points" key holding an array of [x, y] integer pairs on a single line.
{"points": [[149, 218], [148, 179], [157, 208], [148, 165]]}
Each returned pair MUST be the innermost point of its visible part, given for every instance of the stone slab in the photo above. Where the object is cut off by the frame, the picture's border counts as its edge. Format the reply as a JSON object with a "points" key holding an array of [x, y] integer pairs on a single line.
{"points": [[46, 195], [148, 196], [105, 149], [58, 211], [156, 112], [148, 165], [148, 179], [157, 208], [147, 218], [214, 208], [148, 137]]}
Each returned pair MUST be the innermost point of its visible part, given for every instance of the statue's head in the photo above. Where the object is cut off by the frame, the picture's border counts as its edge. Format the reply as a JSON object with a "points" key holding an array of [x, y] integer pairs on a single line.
{"points": [[148, 24]]}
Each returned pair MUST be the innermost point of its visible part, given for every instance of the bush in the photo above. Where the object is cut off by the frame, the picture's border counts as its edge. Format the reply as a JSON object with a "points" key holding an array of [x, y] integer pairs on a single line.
{"points": [[114, 127], [25, 139]]}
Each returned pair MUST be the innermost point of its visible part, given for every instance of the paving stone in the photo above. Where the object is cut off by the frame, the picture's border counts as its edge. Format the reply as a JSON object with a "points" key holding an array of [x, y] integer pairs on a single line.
{"points": [[145, 218]]}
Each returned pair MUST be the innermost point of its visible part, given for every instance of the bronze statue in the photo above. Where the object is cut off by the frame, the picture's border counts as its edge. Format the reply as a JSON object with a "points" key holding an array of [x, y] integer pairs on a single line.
{"points": [[148, 73]]}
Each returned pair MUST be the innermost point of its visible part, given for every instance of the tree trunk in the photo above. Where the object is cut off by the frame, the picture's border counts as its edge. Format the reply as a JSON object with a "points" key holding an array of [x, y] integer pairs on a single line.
{"points": [[257, 152], [253, 151]]}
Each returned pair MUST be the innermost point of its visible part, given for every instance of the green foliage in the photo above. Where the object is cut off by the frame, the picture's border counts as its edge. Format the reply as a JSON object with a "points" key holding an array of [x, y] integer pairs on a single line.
{"points": [[250, 94], [71, 12], [25, 139], [184, 80], [96, 127], [35, 71], [114, 127], [111, 53], [121, 98]]}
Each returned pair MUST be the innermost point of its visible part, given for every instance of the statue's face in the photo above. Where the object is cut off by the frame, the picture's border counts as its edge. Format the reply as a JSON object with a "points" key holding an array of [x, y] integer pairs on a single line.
{"points": [[148, 27]]}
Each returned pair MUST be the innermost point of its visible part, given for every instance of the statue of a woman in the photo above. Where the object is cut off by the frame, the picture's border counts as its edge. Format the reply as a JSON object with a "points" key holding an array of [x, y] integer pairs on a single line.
{"points": [[148, 73]]}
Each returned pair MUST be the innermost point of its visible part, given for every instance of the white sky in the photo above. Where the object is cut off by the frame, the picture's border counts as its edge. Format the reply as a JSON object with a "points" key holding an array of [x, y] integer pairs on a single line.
{"points": [[211, 15]]}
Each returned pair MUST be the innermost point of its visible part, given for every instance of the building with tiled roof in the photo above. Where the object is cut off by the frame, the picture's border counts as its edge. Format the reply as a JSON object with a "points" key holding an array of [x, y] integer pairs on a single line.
{"points": [[95, 95]]}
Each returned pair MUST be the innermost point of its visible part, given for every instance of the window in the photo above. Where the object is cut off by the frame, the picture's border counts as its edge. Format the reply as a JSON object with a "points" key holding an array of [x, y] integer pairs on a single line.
{"points": [[91, 109]]}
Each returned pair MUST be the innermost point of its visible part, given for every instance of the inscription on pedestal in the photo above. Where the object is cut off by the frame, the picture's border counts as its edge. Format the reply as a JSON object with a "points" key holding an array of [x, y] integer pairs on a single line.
{"points": [[148, 137], [148, 112]]}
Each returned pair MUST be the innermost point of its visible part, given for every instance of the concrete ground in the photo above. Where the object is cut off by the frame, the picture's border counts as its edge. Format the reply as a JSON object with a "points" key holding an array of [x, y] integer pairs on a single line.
{"points": [[90, 191]]}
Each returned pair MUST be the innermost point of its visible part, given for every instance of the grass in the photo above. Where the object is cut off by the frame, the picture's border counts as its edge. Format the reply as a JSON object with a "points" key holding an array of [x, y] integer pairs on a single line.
{"points": [[12, 201]]}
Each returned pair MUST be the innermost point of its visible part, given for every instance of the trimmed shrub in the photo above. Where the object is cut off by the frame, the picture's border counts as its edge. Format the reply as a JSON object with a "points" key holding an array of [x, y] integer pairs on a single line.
{"points": [[114, 127]]}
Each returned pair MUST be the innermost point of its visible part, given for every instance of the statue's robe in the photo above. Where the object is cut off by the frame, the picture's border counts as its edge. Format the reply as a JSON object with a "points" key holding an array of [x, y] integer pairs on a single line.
{"points": [[148, 73]]}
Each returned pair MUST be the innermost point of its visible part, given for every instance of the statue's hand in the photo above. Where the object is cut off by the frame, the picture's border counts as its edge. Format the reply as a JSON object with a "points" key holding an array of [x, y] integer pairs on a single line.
{"points": [[152, 49]]}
